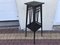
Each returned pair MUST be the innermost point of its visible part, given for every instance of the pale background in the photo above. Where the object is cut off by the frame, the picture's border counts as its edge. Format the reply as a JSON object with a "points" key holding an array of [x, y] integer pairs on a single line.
{"points": [[8, 10], [16, 10], [48, 12], [57, 14]]}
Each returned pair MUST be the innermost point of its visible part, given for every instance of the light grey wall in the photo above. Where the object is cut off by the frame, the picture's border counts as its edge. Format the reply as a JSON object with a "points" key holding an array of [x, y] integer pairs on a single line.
{"points": [[21, 8], [8, 10], [57, 14], [48, 12]]}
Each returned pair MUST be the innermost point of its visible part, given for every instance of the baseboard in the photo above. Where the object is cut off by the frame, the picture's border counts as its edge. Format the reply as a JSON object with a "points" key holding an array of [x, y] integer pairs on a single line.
{"points": [[44, 31], [9, 24]]}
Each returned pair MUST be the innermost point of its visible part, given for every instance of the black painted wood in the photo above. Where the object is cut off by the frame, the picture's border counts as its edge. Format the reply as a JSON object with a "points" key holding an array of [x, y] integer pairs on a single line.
{"points": [[34, 3], [26, 21], [35, 25]]}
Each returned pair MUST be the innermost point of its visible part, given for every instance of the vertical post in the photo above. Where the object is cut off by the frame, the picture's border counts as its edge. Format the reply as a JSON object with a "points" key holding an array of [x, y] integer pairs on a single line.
{"points": [[34, 14], [41, 20], [34, 37], [34, 11], [30, 16], [26, 21], [37, 16]]}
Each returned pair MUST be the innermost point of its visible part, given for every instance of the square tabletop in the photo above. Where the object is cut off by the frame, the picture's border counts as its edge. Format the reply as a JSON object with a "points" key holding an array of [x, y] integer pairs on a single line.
{"points": [[34, 3]]}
